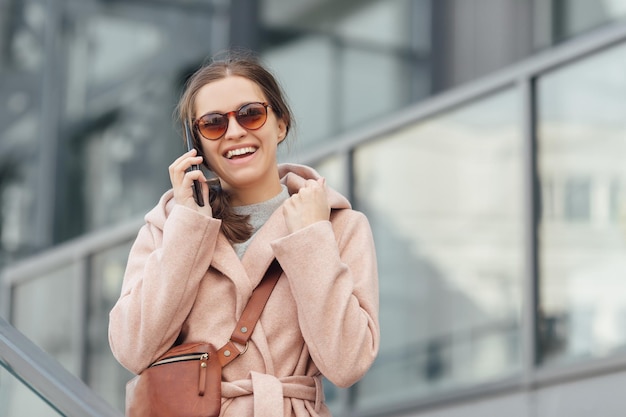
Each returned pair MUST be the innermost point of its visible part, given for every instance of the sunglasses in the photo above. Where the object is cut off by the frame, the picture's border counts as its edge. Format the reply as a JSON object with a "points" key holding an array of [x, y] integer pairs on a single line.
{"points": [[250, 116]]}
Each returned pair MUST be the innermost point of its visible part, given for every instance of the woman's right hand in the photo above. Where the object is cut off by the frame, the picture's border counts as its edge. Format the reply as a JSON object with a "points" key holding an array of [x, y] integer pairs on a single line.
{"points": [[182, 182]]}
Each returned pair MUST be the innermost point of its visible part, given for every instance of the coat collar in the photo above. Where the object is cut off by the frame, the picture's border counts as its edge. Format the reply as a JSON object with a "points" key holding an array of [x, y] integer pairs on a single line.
{"points": [[247, 272], [294, 176]]}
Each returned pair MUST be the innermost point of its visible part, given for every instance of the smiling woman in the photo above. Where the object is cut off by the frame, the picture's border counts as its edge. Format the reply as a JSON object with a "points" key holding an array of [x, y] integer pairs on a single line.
{"points": [[192, 268], [252, 177]]}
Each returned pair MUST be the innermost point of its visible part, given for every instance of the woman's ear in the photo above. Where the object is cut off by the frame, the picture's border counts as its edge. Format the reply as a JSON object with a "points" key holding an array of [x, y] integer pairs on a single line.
{"points": [[282, 130]]}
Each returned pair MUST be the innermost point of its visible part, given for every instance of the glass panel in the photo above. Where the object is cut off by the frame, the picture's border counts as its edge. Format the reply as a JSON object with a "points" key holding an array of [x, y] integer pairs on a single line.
{"points": [[354, 21], [373, 84], [576, 16], [17, 400], [312, 59], [334, 170], [380, 72], [22, 67], [582, 230], [112, 78], [352, 73], [125, 70], [47, 311], [106, 376], [445, 201]]}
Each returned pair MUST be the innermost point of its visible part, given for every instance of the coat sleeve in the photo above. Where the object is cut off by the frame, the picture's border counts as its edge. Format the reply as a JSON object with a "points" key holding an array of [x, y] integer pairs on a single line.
{"points": [[163, 272], [333, 276]]}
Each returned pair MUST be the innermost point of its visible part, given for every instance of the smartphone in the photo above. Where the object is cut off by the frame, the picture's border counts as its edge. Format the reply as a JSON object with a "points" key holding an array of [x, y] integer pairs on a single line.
{"points": [[197, 188]]}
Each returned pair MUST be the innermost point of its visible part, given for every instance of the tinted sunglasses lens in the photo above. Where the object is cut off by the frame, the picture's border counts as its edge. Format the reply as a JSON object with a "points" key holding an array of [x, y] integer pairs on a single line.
{"points": [[252, 116], [212, 126]]}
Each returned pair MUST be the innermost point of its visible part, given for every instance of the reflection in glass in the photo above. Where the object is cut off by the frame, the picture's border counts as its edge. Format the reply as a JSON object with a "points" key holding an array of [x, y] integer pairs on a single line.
{"points": [[102, 84], [333, 169], [47, 311], [444, 198], [22, 66], [365, 59], [581, 146], [573, 17], [17, 400], [309, 58], [105, 375], [373, 84]]}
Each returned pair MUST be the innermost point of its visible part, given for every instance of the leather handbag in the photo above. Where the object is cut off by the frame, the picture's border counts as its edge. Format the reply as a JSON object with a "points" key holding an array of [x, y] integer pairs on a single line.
{"points": [[186, 381]]}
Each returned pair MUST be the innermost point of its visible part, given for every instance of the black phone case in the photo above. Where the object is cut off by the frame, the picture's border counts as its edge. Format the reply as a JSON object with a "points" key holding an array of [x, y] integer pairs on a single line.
{"points": [[197, 188]]}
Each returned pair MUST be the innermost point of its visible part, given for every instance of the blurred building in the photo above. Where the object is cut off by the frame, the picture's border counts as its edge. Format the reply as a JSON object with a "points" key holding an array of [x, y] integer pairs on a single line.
{"points": [[484, 139]]}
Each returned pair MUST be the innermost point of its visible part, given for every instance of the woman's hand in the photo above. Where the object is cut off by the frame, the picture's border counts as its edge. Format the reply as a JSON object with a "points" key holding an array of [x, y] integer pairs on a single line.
{"points": [[308, 206], [182, 182]]}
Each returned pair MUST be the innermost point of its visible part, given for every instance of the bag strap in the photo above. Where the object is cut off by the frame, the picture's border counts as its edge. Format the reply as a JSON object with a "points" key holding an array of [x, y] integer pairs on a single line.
{"points": [[250, 315]]}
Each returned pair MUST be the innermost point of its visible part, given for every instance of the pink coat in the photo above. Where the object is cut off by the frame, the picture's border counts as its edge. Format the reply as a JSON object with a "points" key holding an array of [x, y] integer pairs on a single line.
{"points": [[184, 278]]}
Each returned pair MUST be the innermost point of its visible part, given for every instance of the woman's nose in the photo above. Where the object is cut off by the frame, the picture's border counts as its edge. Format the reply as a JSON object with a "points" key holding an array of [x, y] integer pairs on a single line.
{"points": [[234, 129]]}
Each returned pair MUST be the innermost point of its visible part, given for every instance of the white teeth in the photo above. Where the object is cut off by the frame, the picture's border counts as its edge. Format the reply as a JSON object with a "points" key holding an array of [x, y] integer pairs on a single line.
{"points": [[240, 151]]}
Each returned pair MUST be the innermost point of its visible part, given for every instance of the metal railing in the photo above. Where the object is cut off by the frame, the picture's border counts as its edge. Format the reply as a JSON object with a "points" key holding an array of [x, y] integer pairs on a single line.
{"points": [[35, 368], [47, 378], [75, 251]]}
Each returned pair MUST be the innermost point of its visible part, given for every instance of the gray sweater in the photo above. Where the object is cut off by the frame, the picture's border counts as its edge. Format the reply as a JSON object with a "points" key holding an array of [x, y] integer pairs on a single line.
{"points": [[259, 213]]}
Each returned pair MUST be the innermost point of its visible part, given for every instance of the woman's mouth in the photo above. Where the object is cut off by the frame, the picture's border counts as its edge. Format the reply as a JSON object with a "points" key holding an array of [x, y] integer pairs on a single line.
{"points": [[237, 153]]}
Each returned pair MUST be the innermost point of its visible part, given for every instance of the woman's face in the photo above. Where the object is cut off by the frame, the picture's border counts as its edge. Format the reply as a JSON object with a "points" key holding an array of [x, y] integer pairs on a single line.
{"points": [[244, 160]]}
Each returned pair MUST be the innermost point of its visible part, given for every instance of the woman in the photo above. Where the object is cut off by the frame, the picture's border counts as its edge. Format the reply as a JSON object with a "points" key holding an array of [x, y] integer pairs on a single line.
{"points": [[193, 267]]}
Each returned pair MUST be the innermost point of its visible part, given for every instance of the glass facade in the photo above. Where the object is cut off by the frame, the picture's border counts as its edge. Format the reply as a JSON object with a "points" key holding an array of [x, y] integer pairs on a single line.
{"points": [[73, 327], [88, 91], [581, 143], [55, 326], [16, 399], [573, 17], [365, 61], [445, 199], [104, 374]]}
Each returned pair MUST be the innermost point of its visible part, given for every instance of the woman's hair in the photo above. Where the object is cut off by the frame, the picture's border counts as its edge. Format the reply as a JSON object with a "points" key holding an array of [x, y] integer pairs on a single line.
{"points": [[243, 64]]}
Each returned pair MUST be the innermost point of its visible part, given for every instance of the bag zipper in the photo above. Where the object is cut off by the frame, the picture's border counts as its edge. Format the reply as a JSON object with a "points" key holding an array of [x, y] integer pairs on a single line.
{"points": [[182, 358]]}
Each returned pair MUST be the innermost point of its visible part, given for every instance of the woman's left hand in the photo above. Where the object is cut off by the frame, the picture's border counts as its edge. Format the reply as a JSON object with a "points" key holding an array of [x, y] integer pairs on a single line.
{"points": [[308, 206]]}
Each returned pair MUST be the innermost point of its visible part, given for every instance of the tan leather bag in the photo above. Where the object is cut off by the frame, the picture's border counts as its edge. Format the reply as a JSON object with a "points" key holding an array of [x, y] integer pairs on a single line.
{"points": [[187, 380]]}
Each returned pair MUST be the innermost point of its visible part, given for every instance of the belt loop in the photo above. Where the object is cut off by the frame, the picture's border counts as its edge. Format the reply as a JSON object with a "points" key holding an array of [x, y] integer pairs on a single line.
{"points": [[319, 393]]}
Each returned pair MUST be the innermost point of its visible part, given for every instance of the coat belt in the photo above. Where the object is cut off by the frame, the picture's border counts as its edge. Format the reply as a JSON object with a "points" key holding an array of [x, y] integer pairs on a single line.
{"points": [[269, 391]]}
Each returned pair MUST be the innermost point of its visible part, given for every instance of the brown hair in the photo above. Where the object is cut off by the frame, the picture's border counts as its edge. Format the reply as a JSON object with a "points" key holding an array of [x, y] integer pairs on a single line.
{"points": [[234, 226]]}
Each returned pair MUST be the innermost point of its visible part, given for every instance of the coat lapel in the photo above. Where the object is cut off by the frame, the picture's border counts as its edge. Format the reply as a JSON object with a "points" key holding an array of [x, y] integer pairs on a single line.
{"points": [[247, 272], [226, 261], [259, 254]]}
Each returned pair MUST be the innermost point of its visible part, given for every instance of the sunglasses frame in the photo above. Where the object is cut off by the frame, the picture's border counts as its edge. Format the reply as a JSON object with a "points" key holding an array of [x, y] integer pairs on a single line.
{"points": [[227, 116]]}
